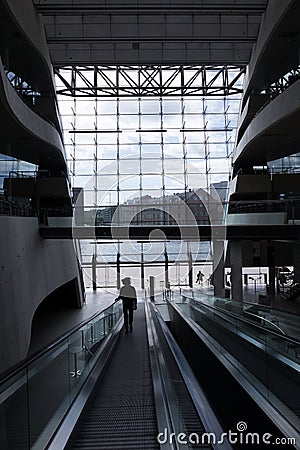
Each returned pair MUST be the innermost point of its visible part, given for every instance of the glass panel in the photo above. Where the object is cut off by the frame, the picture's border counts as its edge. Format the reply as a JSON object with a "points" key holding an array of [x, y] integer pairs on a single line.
{"points": [[204, 157], [150, 122], [48, 385], [129, 107], [129, 151], [85, 123], [107, 106], [129, 122], [151, 150], [34, 401], [14, 413], [84, 167], [194, 121], [107, 138], [152, 181], [129, 166], [172, 121], [175, 165], [107, 166], [129, 137], [153, 166], [150, 106], [106, 123], [171, 106], [266, 355]]}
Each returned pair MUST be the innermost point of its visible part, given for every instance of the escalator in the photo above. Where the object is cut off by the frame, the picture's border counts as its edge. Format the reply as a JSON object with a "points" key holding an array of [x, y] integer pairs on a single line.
{"points": [[122, 414], [98, 388], [256, 365], [142, 401]]}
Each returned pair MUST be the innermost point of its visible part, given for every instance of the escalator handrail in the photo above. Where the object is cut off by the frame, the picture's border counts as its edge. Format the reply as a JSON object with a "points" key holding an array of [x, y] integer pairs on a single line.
{"points": [[273, 412], [237, 316], [204, 410], [276, 310], [268, 321], [163, 413], [14, 370], [242, 319]]}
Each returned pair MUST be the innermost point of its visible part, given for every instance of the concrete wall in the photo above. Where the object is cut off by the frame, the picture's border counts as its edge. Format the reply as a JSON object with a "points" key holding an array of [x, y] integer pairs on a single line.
{"points": [[274, 132], [30, 269], [257, 69], [30, 23]]}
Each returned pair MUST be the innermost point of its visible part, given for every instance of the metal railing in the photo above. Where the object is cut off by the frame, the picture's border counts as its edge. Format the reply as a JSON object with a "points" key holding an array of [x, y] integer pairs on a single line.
{"points": [[174, 380], [276, 320], [127, 214], [8, 208]]}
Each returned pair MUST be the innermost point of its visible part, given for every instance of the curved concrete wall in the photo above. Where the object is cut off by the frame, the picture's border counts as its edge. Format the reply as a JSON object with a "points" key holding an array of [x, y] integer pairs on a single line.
{"points": [[30, 24], [30, 122], [274, 132], [258, 66], [30, 269]]}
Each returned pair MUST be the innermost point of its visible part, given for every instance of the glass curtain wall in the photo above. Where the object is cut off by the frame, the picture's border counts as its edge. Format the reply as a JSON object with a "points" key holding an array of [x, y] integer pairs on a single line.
{"points": [[147, 151]]}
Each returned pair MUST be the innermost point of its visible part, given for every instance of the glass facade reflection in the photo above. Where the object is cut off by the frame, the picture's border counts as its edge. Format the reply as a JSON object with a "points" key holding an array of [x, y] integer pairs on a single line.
{"points": [[144, 152]]}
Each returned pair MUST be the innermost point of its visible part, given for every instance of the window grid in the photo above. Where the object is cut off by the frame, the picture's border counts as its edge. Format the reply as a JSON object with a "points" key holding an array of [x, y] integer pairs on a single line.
{"points": [[209, 141]]}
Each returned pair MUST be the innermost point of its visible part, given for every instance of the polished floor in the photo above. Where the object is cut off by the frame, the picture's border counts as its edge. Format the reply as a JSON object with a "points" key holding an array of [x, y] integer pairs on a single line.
{"points": [[51, 323]]}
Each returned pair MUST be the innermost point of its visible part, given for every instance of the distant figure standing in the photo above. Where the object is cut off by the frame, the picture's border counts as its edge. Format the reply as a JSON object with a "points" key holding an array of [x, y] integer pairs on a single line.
{"points": [[200, 276], [128, 296]]}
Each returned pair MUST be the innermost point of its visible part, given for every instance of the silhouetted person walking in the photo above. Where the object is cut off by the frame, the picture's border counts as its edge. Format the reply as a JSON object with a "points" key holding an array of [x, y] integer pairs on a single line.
{"points": [[128, 296], [200, 276]]}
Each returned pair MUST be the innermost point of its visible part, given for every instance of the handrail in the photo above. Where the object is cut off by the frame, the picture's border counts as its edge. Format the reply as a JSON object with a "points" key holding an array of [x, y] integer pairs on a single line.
{"points": [[242, 319], [29, 360], [22, 173], [71, 360], [265, 307], [248, 303], [266, 320], [252, 314], [162, 406], [267, 396], [8, 208], [198, 396]]}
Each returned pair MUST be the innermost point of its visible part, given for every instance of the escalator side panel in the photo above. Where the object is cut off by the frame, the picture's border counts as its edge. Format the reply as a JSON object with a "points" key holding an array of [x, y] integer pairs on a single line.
{"points": [[226, 396]]}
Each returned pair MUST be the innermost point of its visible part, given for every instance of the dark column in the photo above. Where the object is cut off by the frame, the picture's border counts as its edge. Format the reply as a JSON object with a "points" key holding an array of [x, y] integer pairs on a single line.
{"points": [[272, 281], [166, 269], [118, 271], [296, 251], [142, 271], [151, 285], [218, 268], [271, 265], [265, 278], [236, 270], [190, 262], [94, 272]]}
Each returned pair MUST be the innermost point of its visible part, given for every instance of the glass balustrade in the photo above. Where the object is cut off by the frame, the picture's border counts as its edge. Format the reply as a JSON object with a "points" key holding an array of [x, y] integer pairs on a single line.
{"points": [[282, 322], [35, 398], [261, 351]]}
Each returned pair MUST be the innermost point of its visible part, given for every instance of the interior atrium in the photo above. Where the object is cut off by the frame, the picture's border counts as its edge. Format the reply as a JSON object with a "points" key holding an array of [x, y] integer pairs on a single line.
{"points": [[150, 224]]}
